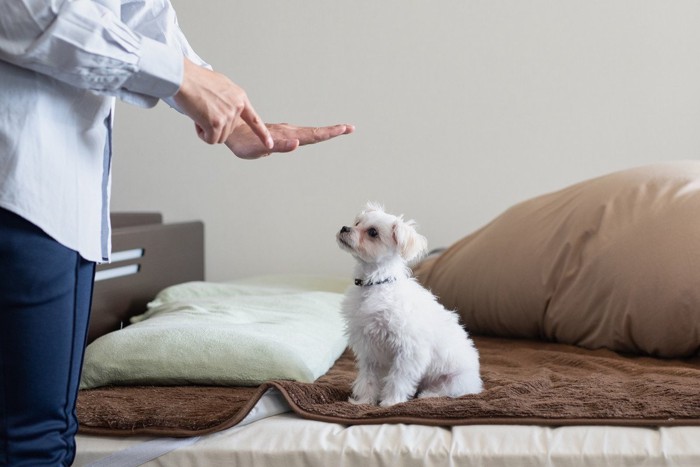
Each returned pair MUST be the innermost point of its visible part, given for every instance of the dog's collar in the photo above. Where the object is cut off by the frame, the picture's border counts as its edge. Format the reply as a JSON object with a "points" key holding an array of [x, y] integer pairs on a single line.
{"points": [[363, 283]]}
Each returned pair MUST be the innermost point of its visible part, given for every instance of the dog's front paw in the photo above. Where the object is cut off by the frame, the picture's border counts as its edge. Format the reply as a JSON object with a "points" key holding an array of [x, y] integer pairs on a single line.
{"points": [[389, 401], [362, 400], [364, 389], [428, 394]]}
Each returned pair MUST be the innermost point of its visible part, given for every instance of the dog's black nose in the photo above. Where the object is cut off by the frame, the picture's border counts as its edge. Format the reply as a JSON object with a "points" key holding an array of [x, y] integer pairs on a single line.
{"points": [[345, 229]]}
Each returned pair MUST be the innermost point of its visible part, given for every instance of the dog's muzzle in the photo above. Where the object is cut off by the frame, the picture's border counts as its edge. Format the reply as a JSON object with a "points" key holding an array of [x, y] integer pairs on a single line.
{"points": [[342, 235]]}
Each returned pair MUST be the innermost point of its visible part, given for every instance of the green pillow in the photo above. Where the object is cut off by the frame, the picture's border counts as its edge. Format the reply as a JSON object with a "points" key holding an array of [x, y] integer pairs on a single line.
{"points": [[240, 333]]}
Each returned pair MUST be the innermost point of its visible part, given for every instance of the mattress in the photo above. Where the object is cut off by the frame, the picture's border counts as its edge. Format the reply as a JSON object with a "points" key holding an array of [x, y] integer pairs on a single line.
{"points": [[287, 440]]}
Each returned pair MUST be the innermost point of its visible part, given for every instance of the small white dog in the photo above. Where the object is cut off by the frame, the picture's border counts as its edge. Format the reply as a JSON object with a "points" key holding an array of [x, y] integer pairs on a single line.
{"points": [[406, 344]]}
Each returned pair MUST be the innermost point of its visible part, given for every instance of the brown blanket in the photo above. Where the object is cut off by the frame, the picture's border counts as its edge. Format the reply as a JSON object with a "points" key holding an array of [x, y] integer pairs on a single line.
{"points": [[525, 383]]}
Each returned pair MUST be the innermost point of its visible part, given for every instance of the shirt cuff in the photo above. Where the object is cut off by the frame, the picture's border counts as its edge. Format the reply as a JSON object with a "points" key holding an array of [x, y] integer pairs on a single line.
{"points": [[160, 71]]}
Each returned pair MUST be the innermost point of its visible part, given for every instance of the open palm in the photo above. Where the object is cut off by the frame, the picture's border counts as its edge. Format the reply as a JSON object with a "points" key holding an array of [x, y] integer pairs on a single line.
{"points": [[244, 143]]}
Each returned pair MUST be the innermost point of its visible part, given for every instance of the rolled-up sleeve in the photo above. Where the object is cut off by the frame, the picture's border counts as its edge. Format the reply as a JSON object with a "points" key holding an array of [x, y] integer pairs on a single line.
{"points": [[158, 22], [86, 44]]}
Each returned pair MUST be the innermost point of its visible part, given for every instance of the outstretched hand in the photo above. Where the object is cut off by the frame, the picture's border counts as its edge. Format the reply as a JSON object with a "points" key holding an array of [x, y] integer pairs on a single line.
{"points": [[223, 113], [244, 143]]}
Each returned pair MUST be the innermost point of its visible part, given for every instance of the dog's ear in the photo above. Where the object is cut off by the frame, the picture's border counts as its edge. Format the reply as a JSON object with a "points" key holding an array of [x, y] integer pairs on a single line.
{"points": [[411, 244]]}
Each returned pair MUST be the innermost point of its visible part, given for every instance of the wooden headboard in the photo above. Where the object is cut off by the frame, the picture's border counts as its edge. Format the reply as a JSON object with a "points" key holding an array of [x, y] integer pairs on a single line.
{"points": [[147, 256]]}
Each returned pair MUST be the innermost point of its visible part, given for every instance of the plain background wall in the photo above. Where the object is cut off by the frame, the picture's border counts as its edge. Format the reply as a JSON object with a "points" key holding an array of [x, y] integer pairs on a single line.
{"points": [[462, 109]]}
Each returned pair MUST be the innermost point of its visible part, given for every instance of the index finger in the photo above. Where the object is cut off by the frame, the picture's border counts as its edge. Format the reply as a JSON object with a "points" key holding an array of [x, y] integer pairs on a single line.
{"points": [[257, 125]]}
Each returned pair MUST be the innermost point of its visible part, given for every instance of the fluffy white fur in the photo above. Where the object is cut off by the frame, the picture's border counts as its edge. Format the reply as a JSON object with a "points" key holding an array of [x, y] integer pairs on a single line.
{"points": [[406, 344]]}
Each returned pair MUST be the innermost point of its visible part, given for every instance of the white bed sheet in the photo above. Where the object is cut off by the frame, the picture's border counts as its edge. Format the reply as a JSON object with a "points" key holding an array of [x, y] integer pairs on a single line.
{"points": [[287, 440]]}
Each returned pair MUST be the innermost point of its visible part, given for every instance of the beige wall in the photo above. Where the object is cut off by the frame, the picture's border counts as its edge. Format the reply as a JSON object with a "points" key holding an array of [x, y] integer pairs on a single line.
{"points": [[462, 109]]}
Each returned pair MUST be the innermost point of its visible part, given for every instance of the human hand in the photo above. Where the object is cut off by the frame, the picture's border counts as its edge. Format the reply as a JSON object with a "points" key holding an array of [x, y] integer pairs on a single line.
{"points": [[217, 105], [245, 144]]}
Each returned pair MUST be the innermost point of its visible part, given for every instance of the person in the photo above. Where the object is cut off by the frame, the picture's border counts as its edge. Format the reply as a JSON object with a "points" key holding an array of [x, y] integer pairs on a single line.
{"points": [[62, 65]]}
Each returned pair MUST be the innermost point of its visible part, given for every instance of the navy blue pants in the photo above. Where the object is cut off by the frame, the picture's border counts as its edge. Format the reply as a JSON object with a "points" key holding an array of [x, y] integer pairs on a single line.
{"points": [[45, 297]]}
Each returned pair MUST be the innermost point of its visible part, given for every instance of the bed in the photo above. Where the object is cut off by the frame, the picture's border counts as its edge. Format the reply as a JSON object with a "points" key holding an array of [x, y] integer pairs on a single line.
{"points": [[641, 407]]}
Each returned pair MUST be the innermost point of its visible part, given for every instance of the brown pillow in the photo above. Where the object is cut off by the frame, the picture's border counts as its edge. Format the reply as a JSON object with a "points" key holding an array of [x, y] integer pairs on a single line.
{"points": [[610, 262]]}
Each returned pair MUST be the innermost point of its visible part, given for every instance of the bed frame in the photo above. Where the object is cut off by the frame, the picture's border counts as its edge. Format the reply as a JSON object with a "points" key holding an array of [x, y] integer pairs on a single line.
{"points": [[147, 256]]}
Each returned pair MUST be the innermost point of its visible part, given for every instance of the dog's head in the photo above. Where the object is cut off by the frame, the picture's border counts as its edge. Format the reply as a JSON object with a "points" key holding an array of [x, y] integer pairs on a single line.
{"points": [[377, 236]]}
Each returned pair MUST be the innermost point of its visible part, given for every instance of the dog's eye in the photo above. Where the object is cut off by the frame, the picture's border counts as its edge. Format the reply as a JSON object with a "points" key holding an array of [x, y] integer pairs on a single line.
{"points": [[372, 232]]}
